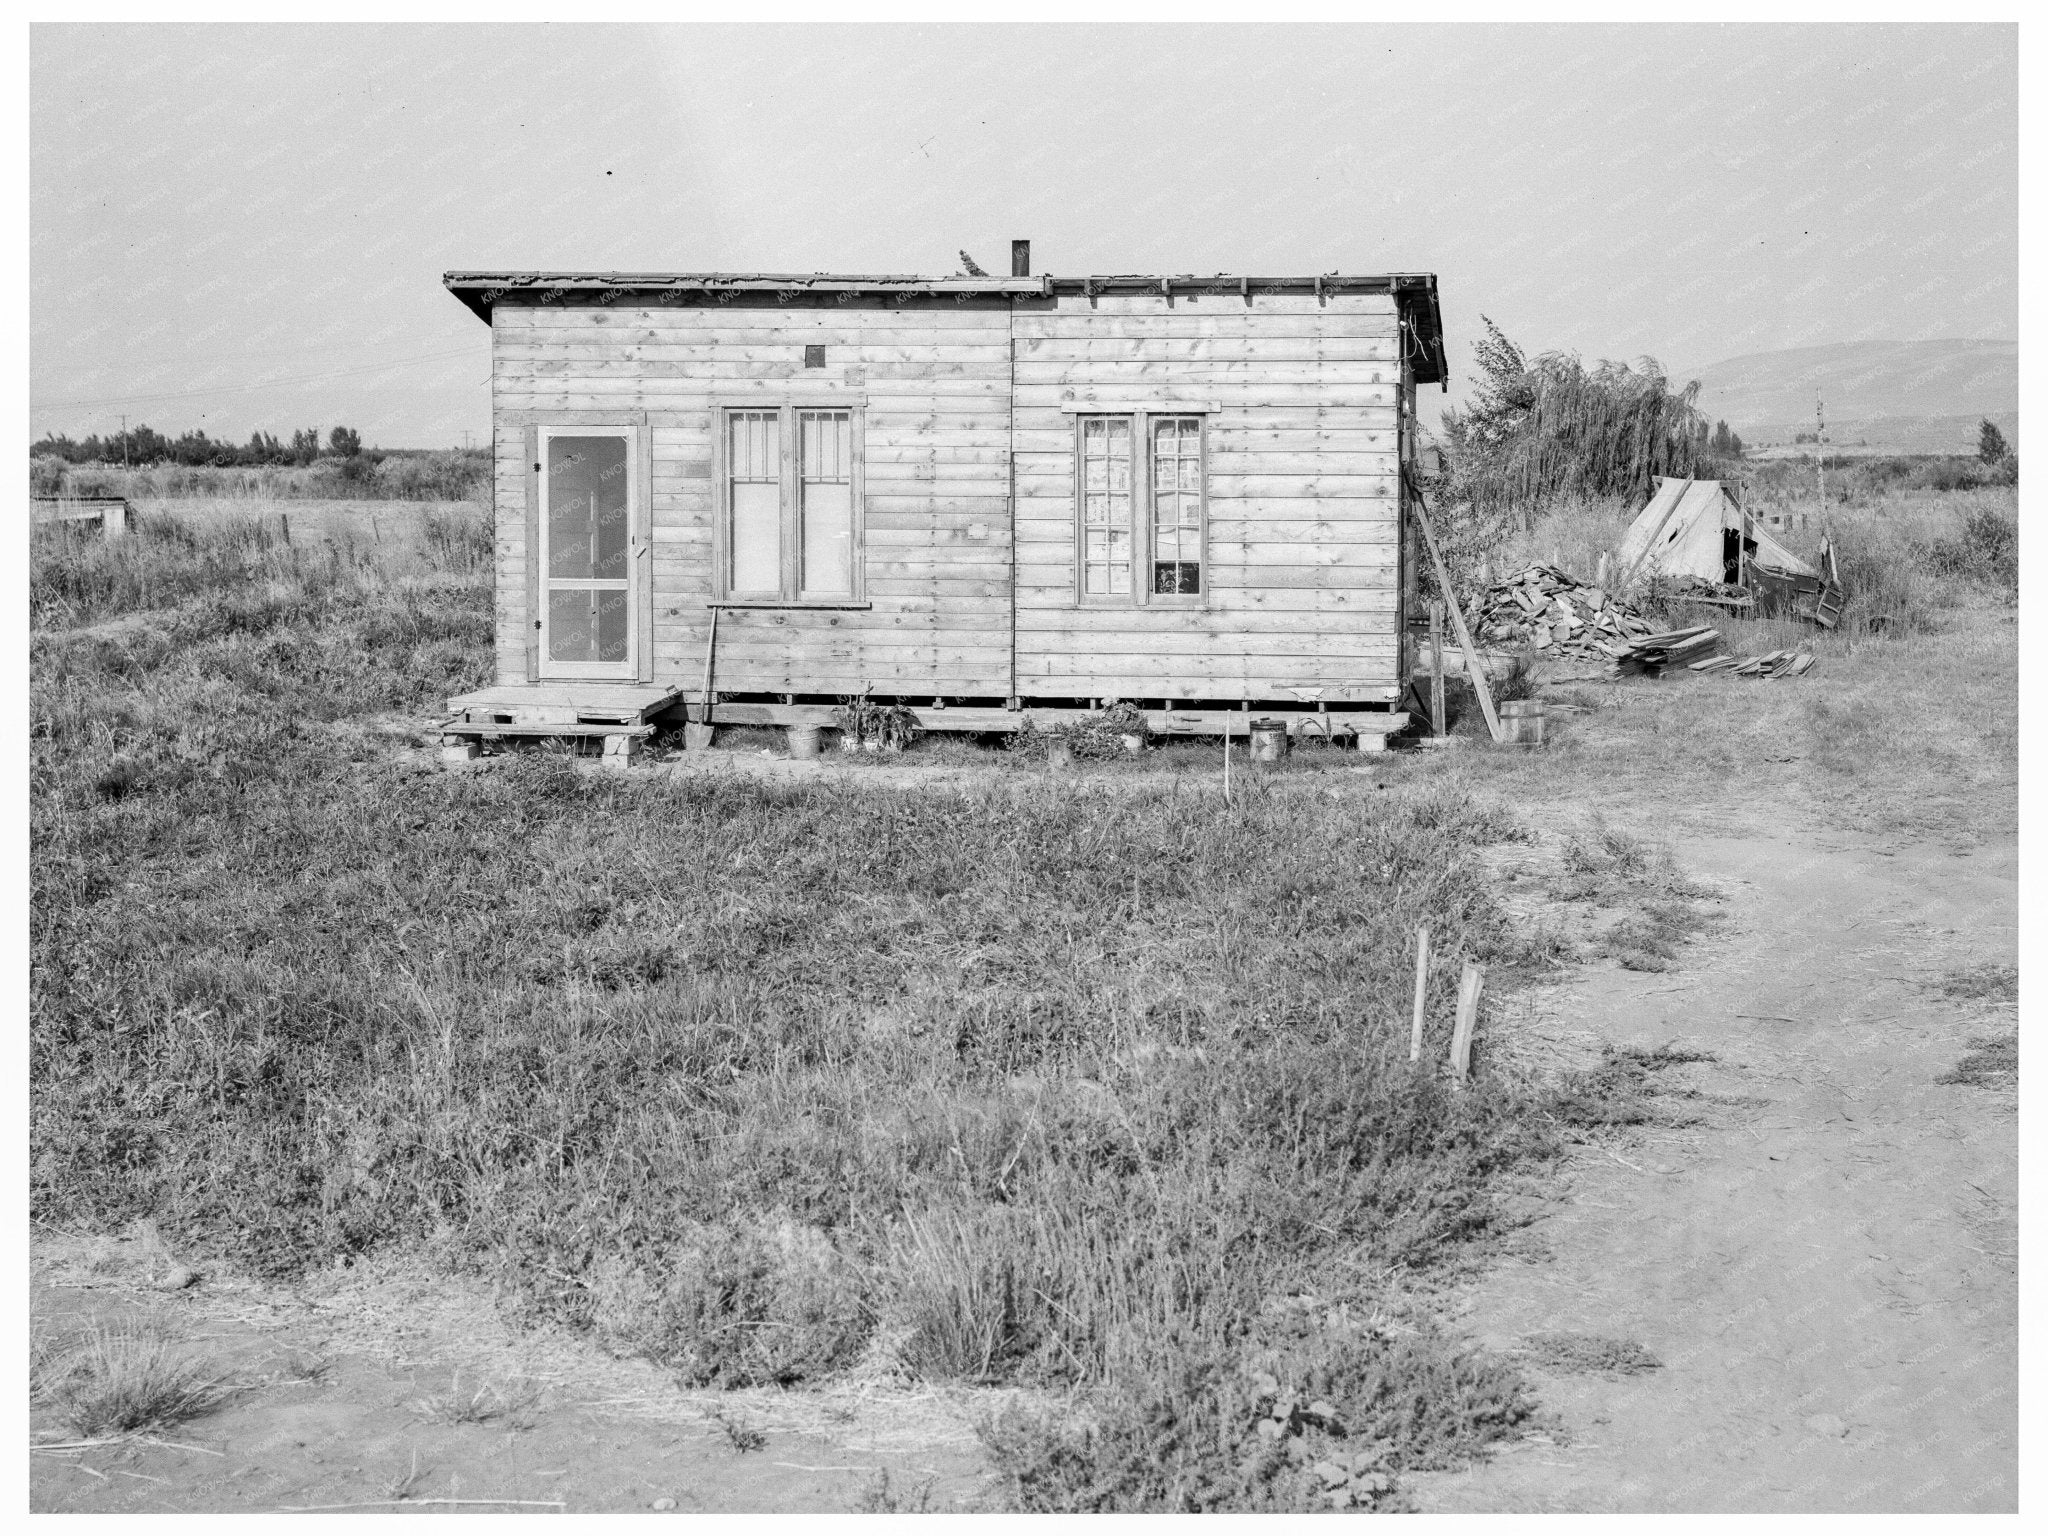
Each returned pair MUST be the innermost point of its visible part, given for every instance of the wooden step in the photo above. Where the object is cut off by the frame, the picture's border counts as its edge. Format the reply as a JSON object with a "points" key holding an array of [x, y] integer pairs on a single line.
{"points": [[460, 729]]}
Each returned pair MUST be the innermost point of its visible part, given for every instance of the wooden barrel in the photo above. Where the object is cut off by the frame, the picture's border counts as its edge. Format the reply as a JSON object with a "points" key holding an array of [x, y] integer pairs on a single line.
{"points": [[1521, 722]]}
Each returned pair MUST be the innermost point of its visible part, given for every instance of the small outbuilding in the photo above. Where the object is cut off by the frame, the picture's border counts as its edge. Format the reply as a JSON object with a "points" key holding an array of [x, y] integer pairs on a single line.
{"points": [[744, 499]]}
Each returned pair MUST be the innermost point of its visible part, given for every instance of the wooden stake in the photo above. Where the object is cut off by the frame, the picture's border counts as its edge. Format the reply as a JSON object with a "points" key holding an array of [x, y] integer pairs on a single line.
{"points": [[1443, 581], [1421, 986], [710, 650], [284, 525], [1226, 762], [1468, 1017], [1436, 668]]}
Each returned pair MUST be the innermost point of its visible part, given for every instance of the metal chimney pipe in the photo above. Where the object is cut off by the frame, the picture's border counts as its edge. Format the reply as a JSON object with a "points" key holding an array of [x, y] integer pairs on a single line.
{"points": [[1020, 258]]}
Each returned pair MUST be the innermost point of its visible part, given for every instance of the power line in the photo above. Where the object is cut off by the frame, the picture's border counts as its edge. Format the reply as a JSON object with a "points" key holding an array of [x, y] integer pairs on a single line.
{"points": [[236, 389]]}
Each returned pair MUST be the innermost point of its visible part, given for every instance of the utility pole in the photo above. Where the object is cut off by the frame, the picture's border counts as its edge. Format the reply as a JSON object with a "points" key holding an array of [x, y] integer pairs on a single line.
{"points": [[1819, 451], [124, 442]]}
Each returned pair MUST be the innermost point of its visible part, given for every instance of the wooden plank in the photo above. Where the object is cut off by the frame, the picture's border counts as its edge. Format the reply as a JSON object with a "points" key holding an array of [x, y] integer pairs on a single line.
{"points": [[1421, 986], [1469, 986], [1473, 670], [1199, 379], [684, 318], [1200, 322], [783, 349], [1221, 299], [475, 729], [1251, 346], [1202, 683]]}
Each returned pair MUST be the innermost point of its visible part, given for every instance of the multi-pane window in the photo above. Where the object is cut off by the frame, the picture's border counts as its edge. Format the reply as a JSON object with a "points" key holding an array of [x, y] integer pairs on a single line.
{"points": [[1105, 506], [1140, 532], [1176, 504], [825, 504], [754, 463], [792, 504]]}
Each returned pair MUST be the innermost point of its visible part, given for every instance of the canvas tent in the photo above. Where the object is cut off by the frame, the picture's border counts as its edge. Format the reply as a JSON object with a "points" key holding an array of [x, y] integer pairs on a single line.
{"points": [[1694, 528]]}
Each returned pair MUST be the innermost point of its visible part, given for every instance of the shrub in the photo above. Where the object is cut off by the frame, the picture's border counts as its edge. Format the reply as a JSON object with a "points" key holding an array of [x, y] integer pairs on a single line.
{"points": [[1985, 549], [761, 1301]]}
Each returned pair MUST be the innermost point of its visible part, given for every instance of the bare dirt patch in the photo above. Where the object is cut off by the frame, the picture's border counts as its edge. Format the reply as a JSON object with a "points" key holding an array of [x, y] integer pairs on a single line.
{"points": [[1824, 1258], [385, 1387]]}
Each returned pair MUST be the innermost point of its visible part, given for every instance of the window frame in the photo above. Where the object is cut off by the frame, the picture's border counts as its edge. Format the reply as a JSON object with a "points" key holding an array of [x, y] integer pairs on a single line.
{"points": [[1144, 512], [788, 409]]}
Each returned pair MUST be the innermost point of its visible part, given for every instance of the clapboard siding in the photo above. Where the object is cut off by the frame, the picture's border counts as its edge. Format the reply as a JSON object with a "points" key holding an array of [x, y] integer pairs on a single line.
{"points": [[934, 389], [968, 464], [1303, 503]]}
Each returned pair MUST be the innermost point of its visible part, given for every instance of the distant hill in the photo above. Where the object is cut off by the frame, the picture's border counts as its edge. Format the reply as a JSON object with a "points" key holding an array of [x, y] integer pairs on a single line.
{"points": [[1903, 396]]}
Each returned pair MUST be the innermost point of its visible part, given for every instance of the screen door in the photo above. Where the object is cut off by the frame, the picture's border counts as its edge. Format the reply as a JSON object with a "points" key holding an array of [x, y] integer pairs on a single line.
{"points": [[586, 522]]}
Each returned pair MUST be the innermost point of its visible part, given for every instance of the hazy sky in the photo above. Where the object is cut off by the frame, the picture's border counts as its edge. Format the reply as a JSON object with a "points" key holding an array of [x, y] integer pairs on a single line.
{"points": [[242, 227]]}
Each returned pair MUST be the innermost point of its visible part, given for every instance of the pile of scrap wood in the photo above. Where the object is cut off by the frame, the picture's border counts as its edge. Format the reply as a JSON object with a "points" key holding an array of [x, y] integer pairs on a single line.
{"points": [[1770, 664], [1555, 615], [1649, 655]]}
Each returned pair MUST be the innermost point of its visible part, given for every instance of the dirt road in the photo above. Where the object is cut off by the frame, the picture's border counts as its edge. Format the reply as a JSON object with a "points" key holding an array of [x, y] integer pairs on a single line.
{"points": [[1826, 1263]]}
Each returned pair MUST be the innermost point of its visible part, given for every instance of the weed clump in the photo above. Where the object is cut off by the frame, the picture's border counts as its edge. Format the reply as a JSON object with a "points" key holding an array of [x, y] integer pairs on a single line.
{"points": [[1609, 867], [1993, 1062], [1987, 983], [1323, 1421], [1622, 1089], [1589, 1354], [122, 1378]]}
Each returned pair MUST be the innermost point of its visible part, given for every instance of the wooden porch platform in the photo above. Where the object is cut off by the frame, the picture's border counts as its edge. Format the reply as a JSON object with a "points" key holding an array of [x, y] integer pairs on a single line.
{"points": [[562, 704]]}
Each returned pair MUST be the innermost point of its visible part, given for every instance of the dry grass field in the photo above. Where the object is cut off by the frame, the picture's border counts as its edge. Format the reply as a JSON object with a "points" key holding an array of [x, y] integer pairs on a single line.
{"points": [[1084, 1098]]}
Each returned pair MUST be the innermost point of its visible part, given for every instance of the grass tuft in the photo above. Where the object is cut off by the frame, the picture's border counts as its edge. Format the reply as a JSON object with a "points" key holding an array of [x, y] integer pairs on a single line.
{"points": [[1623, 1088], [1991, 983], [1993, 1062], [1584, 1354], [126, 1377]]}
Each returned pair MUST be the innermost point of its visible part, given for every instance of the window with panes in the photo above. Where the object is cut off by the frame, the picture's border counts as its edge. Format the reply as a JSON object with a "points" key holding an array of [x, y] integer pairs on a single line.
{"points": [[792, 520], [1141, 513]]}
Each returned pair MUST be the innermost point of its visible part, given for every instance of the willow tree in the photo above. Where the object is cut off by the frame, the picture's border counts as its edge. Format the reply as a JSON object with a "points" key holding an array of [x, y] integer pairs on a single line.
{"points": [[1549, 429]]}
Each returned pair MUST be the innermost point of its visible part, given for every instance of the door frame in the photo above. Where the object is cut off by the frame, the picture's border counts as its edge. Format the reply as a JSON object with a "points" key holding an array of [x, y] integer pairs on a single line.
{"points": [[633, 427]]}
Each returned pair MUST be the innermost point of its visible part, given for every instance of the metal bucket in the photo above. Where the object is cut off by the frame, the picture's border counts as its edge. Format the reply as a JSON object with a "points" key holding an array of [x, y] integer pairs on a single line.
{"points": [[1521, 723], [1269, 742], [804, 742]]}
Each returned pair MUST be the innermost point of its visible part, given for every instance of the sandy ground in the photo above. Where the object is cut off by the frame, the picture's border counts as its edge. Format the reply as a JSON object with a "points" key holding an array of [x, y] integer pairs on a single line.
{"points": [[382, 1386], [1824, 1263]]}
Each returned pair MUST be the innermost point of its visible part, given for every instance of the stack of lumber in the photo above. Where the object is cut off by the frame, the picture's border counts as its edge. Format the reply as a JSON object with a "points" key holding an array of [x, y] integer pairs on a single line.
{"points": [[1554, 615], [1770, 664], [1651, 654]]}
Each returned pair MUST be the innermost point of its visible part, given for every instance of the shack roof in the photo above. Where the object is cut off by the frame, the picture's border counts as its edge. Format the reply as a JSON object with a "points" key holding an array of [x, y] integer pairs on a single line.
{"points": [[481, 291]]}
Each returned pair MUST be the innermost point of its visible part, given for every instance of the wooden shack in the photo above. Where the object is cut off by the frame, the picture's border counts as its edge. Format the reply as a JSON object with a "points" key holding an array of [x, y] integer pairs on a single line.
{"points": [[744, 499]]}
